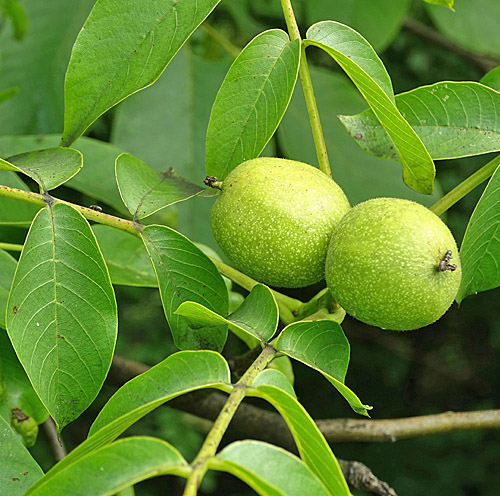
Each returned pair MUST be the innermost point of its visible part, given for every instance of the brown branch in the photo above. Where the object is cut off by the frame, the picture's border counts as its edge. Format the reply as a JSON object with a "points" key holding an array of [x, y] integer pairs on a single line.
{"points": [[56, 443], [484, 62], [347, 430]]}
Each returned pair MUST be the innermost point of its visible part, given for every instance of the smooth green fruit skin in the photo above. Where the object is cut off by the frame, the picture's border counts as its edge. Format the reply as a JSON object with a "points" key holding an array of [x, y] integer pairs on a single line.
{"points": [[382, 264], [274, 219]]}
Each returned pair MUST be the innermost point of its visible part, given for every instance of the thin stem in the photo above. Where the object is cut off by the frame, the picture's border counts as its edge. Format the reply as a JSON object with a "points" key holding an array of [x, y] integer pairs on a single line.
{"points": [[220, 426], [465, 187], [287, 305], [56, 443], [10, 247], [307, 88], [88, 213]]}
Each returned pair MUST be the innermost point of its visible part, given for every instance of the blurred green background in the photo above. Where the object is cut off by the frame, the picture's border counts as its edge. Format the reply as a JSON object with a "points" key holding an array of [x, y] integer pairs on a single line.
{"points": [[451, 365]]}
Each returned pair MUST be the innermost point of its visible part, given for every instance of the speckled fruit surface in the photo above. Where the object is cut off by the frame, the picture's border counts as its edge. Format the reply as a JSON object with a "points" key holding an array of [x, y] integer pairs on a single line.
{"points": [[274, 219], [383, 260]]}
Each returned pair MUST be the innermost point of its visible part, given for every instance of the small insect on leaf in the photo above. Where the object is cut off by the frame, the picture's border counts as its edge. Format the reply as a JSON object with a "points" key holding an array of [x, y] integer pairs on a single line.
{"points": [[14, 309]]}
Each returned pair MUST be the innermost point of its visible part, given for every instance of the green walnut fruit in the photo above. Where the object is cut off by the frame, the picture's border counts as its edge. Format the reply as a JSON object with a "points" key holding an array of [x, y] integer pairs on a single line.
{"points": [[394, 264], [274, 219]]}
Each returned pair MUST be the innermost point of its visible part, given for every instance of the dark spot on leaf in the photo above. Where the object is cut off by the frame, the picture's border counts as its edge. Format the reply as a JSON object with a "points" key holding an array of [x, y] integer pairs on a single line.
{"points": [[15, 479], [358, 135], [25, 473], [14, 309], [60, 337]]}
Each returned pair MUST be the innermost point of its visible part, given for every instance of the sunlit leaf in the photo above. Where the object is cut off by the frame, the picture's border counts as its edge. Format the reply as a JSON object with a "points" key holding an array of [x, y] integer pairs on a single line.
{"points": [[360, 62], [251, 101], [275, 378], [114, 467], [322, 346], [480, 250], [123, 47], [145, 191], [61, 313], [268, 470], [49, 168], [18, 470], [453, 119], [185, 273]]}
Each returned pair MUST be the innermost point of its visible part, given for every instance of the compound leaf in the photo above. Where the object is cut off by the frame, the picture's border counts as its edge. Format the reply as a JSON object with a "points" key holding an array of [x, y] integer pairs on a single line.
{"points": [[360, 62], [322, 346]]}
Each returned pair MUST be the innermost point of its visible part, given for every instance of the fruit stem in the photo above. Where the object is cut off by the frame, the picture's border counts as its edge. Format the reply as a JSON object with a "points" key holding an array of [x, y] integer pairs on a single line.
{"points": [[287, 305], [308, 90], [214, 437], [465, 187]]}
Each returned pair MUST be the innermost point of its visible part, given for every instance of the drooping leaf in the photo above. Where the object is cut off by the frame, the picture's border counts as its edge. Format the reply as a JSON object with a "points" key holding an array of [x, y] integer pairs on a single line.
{"points": [[18, 470], [18, 389], [360, 62], [445, 3], [251, 101], [145, 191], [96, 179], [36, 65], [185, 273], [379, 21], [453, 119], [8, 266], [178, 374], [61, 313], [49, 168], [360, 175], [15, 212], [473, 25], [322, 346], [113, 468], [268, 470], [126, 257], [124, 47], [165, 125], [480, 250], [257, 317], [313, 449]]}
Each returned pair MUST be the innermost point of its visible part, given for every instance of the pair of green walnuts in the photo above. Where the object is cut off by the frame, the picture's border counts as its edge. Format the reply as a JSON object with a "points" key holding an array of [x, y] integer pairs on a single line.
{"points": [[388, 262]]}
